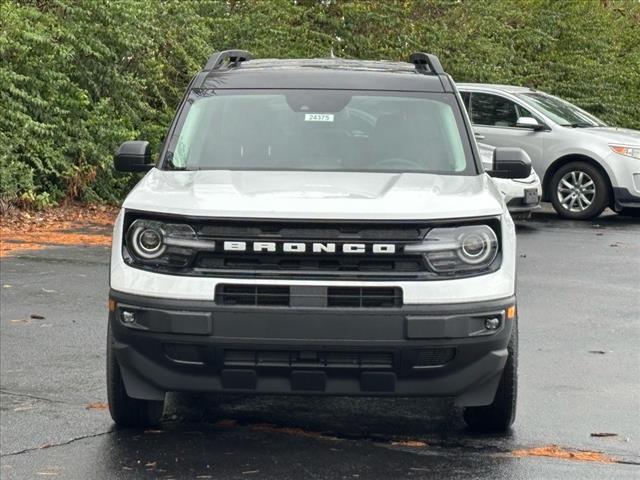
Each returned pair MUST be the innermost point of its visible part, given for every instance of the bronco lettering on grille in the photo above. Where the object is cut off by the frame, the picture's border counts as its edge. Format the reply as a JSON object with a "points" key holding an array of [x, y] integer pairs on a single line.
{"points": [[314, 247]]}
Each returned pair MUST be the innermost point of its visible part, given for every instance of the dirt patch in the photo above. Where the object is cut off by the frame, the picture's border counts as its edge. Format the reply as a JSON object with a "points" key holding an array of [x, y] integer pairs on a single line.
{"points": [[66, 225], [555, 451]]}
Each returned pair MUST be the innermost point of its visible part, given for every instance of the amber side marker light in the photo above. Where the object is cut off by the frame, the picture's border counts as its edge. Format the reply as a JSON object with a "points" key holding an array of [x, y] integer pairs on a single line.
{"points": [[511, 312], [112, 305]]}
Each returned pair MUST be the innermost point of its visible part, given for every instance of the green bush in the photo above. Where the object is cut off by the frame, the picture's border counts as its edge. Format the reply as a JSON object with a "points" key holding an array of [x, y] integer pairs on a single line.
{"points": [[79, 77]]}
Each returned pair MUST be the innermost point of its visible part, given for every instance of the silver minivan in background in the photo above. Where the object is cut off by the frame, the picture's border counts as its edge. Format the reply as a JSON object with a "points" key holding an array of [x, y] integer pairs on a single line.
{"points": [[584, 164]]}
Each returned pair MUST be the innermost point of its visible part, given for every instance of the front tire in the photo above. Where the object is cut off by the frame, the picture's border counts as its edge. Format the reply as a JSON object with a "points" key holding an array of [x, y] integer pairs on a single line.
{"points": [[579, 191], [125, 410], [499, 415]]}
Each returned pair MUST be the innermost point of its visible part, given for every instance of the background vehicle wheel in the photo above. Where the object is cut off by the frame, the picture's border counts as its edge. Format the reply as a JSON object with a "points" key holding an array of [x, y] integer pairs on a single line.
{"points": [[499, 415], [579, 191], [127, 411]]}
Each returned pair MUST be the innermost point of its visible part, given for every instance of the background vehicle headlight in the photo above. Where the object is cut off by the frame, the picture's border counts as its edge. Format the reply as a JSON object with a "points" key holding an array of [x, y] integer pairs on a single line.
{"points": [[468, 248], [159, 243], [626, 150]]}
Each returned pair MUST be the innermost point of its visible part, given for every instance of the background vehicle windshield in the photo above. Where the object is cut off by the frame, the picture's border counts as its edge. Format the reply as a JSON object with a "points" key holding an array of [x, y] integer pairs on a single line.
{"points": [[561, 111], [330, 130]]}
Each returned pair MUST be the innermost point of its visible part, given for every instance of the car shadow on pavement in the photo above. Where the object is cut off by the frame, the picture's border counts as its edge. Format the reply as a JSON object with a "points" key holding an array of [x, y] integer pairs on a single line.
{"points": [[374, 418]]}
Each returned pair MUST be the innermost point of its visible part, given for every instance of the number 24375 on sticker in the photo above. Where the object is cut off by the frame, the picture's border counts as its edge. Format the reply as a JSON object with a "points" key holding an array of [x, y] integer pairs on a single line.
{"points": [[318, 117]]}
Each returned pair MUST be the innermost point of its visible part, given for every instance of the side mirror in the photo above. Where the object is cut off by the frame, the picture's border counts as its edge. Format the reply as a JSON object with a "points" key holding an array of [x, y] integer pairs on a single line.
{"points": [[133, 156], [529, 122], [510, 163]]}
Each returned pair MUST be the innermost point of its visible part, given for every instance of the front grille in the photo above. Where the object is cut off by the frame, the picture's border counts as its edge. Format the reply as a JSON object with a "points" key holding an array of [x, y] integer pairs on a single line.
{"points": [[308, 296], [433, 357], [304, 358], [312, 264]]}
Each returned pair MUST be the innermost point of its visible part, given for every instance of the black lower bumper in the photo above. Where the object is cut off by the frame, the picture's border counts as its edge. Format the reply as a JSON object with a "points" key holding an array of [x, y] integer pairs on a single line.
{"points": [[417, 350], [623, 198]]}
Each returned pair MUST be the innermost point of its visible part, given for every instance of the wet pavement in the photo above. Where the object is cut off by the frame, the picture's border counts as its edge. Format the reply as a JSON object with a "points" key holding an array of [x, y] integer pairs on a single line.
{"points": [[579, 306]]}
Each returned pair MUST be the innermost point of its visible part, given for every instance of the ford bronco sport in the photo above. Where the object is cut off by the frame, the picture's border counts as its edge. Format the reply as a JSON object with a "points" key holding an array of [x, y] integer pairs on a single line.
{"points": [[315, 227]]}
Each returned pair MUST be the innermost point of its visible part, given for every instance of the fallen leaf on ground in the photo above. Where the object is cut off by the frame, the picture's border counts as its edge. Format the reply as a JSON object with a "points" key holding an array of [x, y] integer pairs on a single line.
{"points": [[555, 451], [599, 352], [409, 443], [97, 406], [604, 434], [20, 320], [36, 316]]}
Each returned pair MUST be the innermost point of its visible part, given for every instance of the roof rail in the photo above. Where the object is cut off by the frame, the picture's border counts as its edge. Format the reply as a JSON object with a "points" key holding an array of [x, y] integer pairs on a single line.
{"points": [[233, 57], [423, 60]]}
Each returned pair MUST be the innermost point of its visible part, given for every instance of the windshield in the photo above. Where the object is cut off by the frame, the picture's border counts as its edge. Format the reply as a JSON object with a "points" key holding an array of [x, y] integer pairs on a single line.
{"points": [[322, 130], [561, 111]]}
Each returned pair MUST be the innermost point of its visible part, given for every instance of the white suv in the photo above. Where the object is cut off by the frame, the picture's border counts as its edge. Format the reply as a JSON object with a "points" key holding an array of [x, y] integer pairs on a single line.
{"points": [[315, 227], [585, 165]]}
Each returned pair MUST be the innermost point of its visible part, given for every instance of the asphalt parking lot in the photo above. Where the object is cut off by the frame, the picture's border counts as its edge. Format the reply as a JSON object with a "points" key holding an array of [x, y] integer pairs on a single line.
{"points": [[579, 306]]}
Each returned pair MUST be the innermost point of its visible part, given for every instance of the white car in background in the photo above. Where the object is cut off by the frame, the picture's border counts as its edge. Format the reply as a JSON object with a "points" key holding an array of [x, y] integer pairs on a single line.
{"points": [[521, 195]]}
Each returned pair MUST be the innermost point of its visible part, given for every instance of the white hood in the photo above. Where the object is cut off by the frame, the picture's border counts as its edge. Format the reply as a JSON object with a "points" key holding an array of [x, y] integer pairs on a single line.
{"points": [[315, 195]]}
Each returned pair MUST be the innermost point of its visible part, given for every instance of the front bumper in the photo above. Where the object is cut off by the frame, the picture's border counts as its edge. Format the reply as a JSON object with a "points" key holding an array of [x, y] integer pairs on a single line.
{"points": [[414, 350], [523, 205], [623, 198]]}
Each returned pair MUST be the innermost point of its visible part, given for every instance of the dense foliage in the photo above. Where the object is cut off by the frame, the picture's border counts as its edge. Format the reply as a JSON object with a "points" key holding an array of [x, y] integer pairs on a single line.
{"points": [[77, 77]]}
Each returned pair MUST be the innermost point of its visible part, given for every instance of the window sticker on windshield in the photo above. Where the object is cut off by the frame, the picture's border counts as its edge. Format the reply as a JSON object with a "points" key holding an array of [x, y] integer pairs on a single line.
{"points": [[318, 117]]}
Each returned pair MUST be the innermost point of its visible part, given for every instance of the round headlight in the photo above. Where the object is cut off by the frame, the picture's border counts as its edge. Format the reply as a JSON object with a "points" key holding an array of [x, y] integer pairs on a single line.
{"points": [[476, 246], [150, 240], [146, 240]]}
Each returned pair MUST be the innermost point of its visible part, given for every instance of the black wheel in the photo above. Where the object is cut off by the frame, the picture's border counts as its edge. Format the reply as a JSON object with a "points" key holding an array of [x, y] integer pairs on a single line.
{"points": [[630, 212], [579, 191], [499, 415], [127, 411]]}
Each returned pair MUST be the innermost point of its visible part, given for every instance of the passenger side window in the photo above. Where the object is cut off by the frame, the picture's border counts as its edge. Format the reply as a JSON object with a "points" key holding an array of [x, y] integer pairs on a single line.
{"points": [[493, 110]]}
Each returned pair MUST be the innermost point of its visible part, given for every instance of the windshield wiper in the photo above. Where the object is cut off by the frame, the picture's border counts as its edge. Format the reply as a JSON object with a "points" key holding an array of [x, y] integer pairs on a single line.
{"points": [[578, 125]]}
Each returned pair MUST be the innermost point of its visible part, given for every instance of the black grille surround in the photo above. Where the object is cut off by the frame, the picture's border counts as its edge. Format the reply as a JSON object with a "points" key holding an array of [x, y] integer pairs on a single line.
{"points": [[310, 266]]}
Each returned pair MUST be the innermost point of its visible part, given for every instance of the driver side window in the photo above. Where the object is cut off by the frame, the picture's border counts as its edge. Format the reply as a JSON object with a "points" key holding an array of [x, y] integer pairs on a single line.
{"points": [[495, 111]]}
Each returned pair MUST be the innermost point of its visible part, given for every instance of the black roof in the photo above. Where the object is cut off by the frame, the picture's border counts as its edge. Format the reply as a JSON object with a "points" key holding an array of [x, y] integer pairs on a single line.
{"points": [[236, 69]]}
